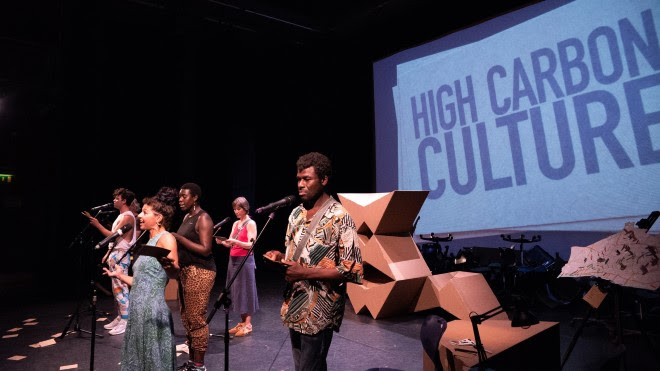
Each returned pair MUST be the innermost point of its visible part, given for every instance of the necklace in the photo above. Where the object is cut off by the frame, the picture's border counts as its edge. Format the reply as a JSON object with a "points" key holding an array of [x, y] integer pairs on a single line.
{"points": [[195, 212]]}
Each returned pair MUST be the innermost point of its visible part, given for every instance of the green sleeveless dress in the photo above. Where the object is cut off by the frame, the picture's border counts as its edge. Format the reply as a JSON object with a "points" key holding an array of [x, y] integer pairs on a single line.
{"points": [[148, 340]]}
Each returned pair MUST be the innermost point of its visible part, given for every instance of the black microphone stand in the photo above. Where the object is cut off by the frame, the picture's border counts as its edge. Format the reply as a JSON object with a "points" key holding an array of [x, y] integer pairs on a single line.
{"points": [[225, 300], [92, 307]]}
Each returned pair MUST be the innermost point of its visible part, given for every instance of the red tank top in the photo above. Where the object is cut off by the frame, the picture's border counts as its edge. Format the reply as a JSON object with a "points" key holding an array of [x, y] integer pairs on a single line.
{"points": [[243, 237]]}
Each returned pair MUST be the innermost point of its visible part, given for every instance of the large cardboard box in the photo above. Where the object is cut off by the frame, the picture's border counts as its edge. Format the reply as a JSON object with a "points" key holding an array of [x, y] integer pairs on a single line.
{"points": [[508, 348]]}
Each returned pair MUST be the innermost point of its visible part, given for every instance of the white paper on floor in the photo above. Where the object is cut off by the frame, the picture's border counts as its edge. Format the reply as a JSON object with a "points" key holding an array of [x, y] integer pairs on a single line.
{"points": [[182, 348], [44, 343]]}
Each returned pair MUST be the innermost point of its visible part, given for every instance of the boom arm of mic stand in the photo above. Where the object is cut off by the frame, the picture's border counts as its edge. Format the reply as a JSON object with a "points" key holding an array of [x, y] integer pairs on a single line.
{"points": [[78, 238]]}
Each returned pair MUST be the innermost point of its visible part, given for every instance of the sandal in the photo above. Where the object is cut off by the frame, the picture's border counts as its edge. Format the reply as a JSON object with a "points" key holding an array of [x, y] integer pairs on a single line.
{"points": [[246, 329], [237, 328]]}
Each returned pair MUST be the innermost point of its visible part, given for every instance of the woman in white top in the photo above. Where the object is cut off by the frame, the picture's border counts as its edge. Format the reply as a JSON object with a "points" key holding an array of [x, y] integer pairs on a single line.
{"points": [[122, 199]]}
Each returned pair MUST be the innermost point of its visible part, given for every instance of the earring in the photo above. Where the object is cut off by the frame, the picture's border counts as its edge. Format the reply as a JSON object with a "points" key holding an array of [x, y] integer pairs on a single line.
{"points": [[194, 208]]}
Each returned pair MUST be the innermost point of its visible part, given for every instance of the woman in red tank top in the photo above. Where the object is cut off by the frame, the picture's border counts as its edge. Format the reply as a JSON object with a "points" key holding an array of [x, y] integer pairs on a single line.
{"points": [[244, 288]]}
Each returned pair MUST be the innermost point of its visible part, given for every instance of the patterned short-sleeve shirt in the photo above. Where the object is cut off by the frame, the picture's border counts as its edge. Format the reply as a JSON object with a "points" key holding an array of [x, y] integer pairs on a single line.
{"points": [[314, 305]]}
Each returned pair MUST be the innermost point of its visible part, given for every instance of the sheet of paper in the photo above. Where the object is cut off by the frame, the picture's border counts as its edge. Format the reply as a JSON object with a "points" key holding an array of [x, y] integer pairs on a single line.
{"points": [[44, 343]]}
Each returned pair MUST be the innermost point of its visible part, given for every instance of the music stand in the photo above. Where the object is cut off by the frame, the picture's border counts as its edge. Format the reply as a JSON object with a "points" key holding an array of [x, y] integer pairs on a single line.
{"points": [[616, 284], [522, 240], [225, 301]]}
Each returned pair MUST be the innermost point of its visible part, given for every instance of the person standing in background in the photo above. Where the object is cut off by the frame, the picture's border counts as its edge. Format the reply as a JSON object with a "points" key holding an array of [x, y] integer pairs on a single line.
{"points": [[244, 288], [122, 200], [197, 275]]}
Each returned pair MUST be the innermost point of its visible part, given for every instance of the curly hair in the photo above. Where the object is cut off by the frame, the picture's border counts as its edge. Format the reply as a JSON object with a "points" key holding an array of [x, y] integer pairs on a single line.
{"points": [[319, 161], [126, 195], [164, 203]]}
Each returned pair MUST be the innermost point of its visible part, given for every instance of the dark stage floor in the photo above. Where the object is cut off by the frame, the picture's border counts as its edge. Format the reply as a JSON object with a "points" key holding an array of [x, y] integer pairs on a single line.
{"points": [[363, 343]]}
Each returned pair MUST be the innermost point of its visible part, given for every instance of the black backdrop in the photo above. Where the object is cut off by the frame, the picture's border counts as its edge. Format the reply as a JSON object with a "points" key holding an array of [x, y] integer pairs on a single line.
{"points": [[95, 95]]}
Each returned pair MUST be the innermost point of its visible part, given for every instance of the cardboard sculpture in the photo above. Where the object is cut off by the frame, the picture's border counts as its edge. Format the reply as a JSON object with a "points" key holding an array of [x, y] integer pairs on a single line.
{"points": [[396, 277], [395, 271], [459, 293]]}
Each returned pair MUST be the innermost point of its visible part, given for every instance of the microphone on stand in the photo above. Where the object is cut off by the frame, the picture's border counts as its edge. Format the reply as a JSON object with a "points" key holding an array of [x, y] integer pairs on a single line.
{"points": [[286, 201], [104, 206], [222, 222], [111, 237]]}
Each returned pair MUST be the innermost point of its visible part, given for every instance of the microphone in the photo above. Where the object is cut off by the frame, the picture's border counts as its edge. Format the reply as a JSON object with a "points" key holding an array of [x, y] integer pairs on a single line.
{"points": [[225, 220], [286, 201], [111, 237], [104, 206]]}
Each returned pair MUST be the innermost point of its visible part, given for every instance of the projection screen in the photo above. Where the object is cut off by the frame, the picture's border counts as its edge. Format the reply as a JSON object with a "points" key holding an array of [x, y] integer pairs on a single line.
{"points": [[546, 118]]}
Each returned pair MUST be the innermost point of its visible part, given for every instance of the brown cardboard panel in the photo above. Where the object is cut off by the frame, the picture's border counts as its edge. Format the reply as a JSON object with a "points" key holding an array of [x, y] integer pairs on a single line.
{"points": [[410, 269], [354, 209], [358, 297], [357, 205], [376, 210], [400, 212], [459, 293], [369, 296], [428, 297], [400, 300], [473, 293], [398, 248], [374, 255], [369, 206], [385, 300], [172, 290], [385, 213], [396, 257]]}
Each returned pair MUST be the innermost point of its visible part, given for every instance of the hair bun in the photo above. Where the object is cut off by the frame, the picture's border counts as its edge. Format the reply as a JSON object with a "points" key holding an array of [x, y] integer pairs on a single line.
{"points": [[168, 196]]}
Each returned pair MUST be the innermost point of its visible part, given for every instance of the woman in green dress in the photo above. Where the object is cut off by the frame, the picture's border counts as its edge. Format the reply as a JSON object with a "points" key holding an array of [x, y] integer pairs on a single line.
{"points": [[148, 341]]}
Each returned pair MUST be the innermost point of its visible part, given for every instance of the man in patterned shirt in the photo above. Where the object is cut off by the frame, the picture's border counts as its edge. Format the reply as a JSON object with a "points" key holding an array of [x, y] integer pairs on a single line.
{"points": [[319, 260]]}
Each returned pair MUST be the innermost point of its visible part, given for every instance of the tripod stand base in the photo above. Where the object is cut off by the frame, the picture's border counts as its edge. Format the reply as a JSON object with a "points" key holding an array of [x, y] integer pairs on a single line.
{"points": [[220, 336], [80, 331]]}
